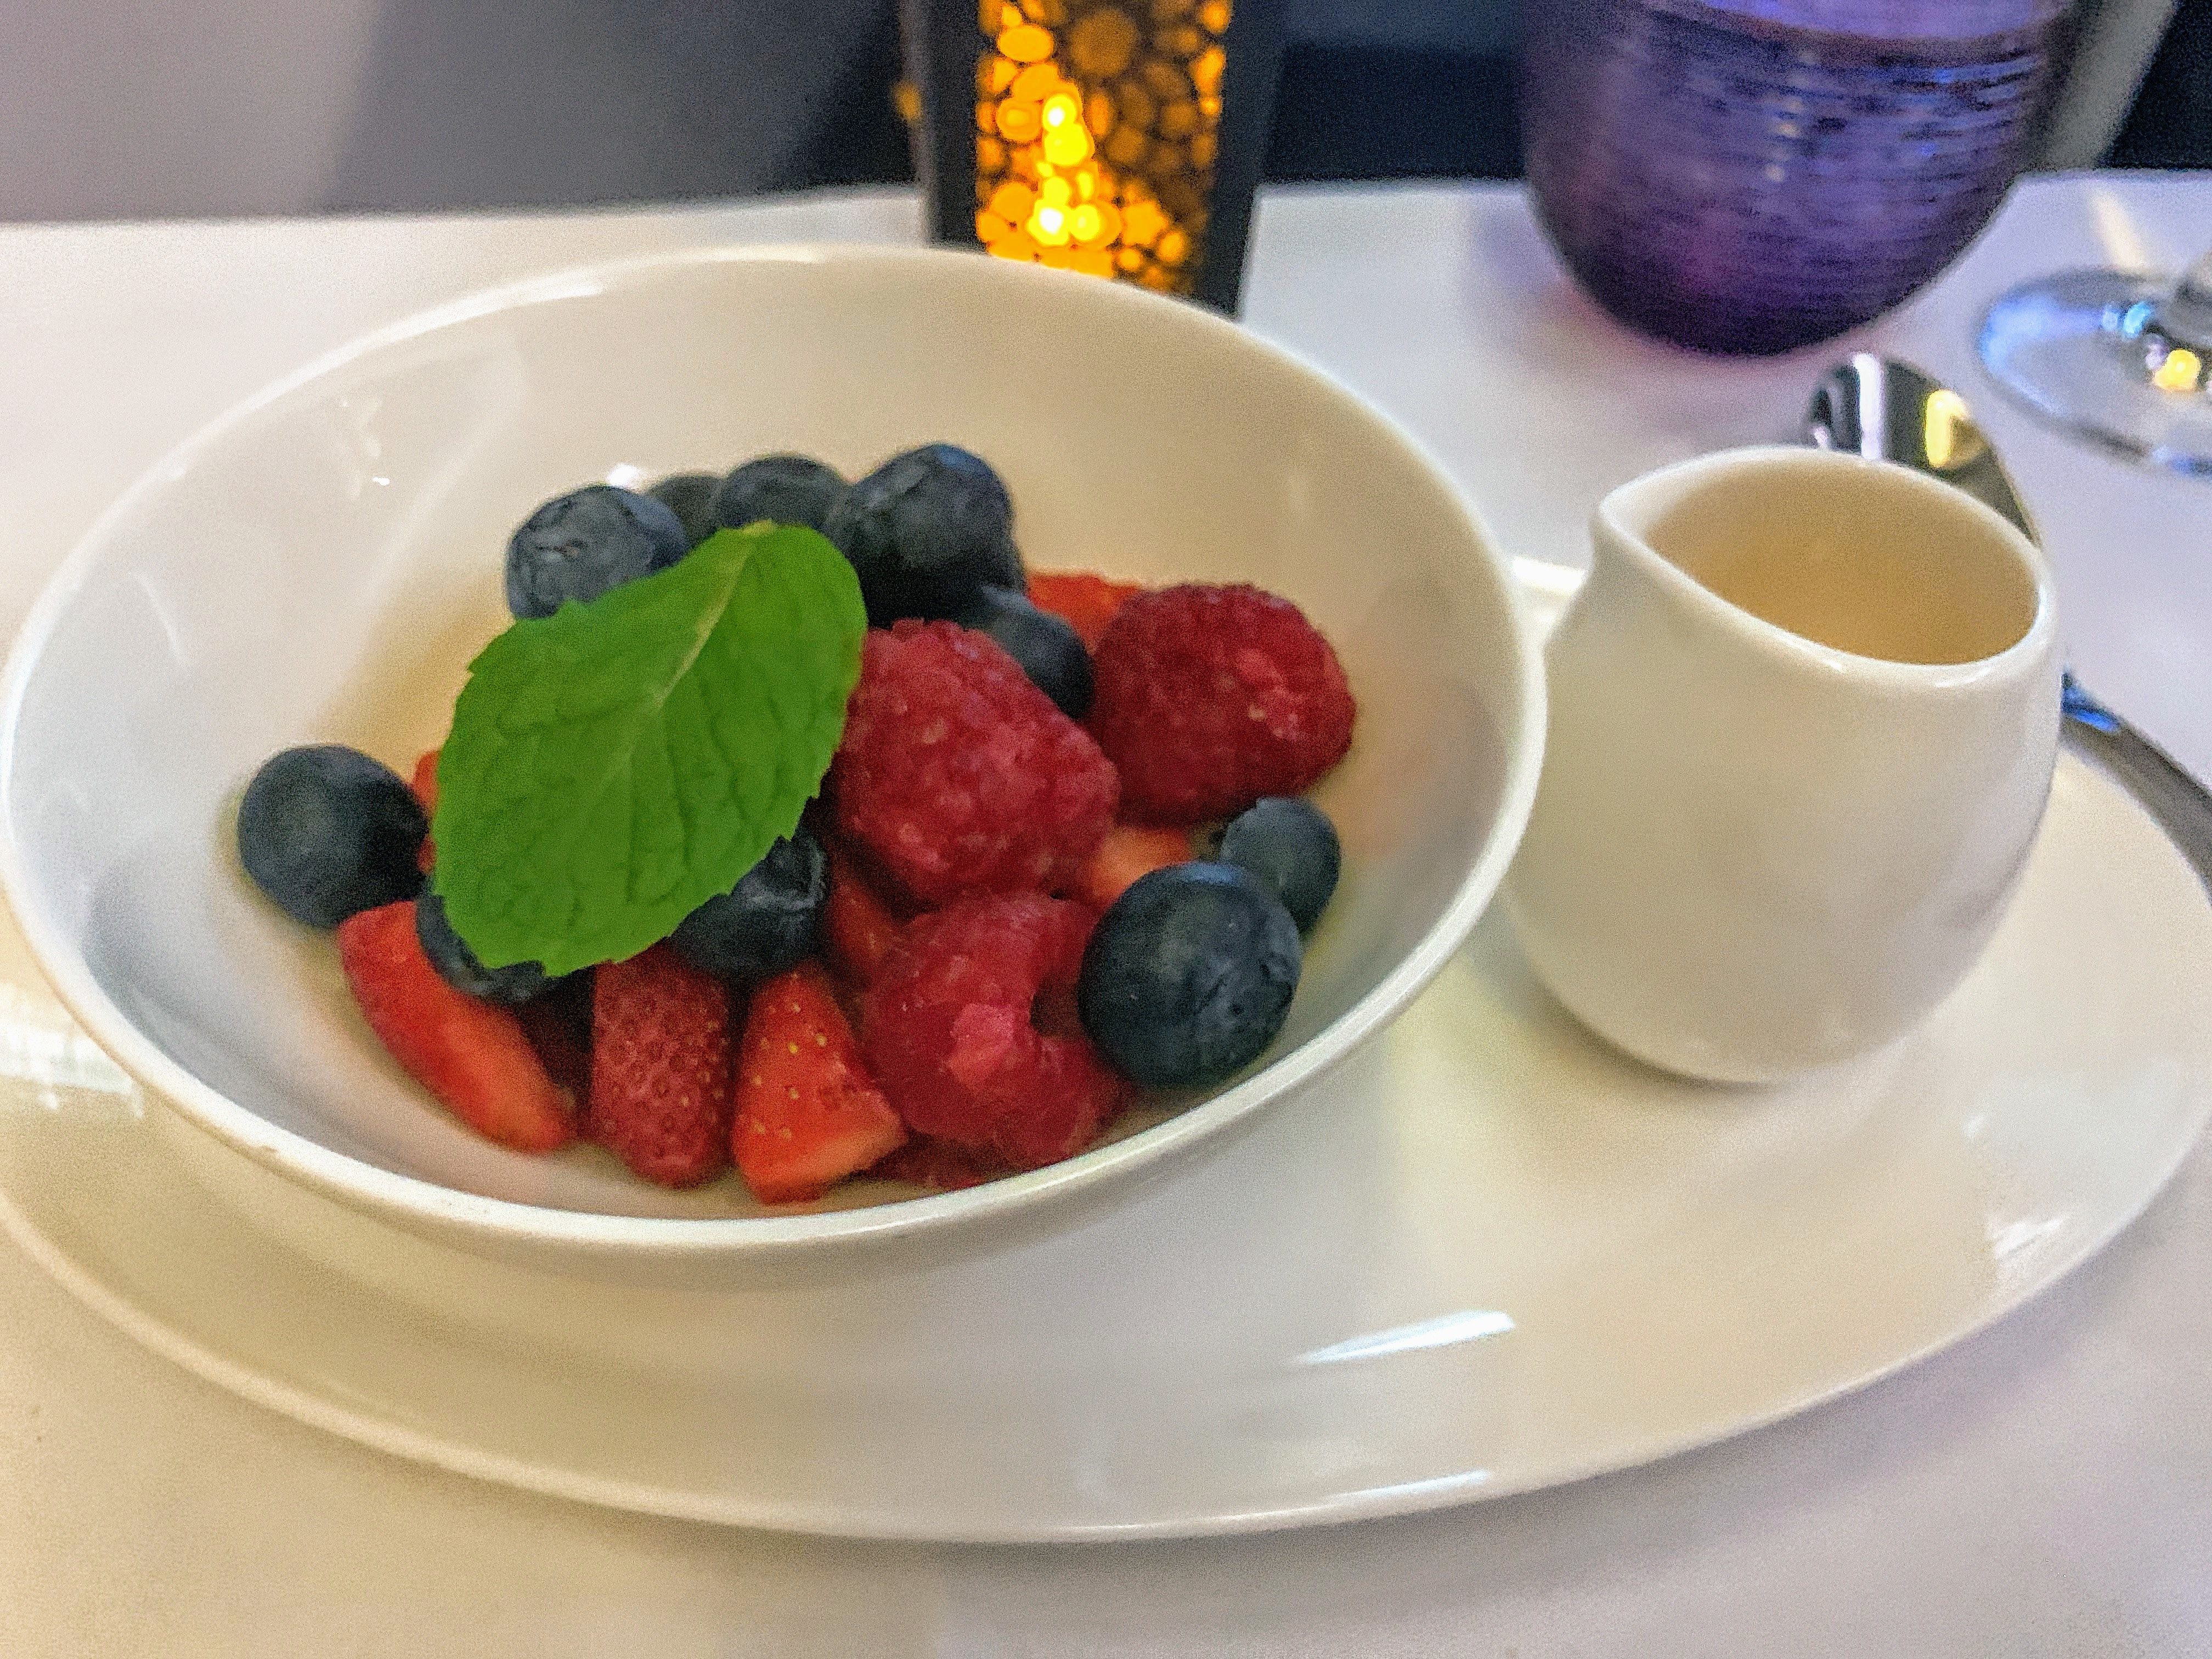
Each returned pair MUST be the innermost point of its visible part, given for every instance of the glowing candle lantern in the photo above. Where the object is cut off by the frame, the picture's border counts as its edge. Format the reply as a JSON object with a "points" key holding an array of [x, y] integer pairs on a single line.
{"points": [[1119, 138], [1047, 226]]}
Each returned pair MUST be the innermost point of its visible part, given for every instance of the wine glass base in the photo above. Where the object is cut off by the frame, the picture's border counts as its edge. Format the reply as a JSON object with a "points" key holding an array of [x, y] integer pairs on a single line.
{"points": [[2073, 348]]}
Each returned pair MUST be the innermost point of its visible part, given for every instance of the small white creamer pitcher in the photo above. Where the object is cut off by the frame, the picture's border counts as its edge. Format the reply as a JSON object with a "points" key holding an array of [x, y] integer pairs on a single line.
{"points": [[1803, 717]]}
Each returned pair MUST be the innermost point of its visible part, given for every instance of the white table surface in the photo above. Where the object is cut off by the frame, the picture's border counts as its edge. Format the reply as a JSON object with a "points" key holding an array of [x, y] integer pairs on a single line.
{"points": [[2045, 1488]]}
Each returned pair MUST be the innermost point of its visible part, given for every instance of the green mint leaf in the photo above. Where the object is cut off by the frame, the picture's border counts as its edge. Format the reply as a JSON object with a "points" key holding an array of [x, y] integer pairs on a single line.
{"points": [[615, 765]]}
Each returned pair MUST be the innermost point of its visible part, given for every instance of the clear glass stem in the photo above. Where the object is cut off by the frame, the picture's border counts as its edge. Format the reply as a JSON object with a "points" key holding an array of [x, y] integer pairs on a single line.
{"points": [[2124, 361], [2187, 313]]}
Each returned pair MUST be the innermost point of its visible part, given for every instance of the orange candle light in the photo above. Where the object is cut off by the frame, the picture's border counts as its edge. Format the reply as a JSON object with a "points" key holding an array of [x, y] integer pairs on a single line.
{"points": [[1117, 138]]}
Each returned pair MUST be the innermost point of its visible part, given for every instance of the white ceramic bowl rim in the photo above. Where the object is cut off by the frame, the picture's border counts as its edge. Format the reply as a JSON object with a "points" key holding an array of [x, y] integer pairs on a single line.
{"points": [[351, 1178]]}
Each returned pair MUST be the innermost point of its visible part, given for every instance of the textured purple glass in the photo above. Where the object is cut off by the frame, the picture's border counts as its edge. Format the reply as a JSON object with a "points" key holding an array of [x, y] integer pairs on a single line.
{"points": [[1752, 175]]}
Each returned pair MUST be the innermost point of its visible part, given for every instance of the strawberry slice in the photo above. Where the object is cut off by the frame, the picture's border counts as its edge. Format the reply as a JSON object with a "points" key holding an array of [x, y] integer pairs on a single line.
{"points": [[424, 783], [473, 1056], [1129, 851], [1084, 598], [661, 1068], [559, 1027], [857, 927], [937, 1164], [808, 1113]]}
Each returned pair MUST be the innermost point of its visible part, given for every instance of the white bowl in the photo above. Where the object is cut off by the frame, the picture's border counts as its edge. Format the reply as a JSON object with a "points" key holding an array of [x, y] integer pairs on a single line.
{"points": [[320, 564]]}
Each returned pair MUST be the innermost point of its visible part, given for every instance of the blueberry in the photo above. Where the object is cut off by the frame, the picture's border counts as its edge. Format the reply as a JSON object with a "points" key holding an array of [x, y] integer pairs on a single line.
{"points": [[1189, 975], [691, 497], [457, 966], [326, 832], [766, 923], [1047, 646], [579, 545], [1289, 843], [781, 489], [925, 530]]}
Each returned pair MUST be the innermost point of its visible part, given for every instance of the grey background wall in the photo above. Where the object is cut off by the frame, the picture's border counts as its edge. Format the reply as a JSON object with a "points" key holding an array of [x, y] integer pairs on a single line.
{"points": [[126, 108]]}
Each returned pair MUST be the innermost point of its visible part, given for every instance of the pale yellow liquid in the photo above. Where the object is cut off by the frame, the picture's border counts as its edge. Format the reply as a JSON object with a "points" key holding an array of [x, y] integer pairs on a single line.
{"points": [[1854, 562]]}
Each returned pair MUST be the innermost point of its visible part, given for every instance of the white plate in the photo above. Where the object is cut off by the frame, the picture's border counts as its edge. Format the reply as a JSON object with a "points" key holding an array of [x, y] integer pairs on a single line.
{"points": [[1490, 1257]]}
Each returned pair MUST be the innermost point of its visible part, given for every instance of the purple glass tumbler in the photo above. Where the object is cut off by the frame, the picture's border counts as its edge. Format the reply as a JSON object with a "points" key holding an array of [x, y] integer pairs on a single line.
{"points": [[1748, 176]]}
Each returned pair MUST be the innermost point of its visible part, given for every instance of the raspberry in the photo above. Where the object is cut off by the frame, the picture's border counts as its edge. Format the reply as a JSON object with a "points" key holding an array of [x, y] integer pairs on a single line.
{"points": [[958, 775], [1210, 697], [950, 1036]]}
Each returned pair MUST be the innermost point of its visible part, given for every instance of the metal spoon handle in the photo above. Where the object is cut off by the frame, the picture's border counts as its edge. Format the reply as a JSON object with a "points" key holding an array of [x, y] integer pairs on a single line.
{"points": [[2182, 805], [1889, 411]]}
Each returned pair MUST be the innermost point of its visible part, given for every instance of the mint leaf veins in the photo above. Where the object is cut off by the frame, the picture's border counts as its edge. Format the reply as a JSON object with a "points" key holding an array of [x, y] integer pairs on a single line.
{"points": [[615, 765]]}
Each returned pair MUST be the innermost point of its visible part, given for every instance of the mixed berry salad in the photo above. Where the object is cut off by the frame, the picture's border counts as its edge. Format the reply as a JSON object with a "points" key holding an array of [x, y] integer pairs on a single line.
{"points": [[795, 825]]}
